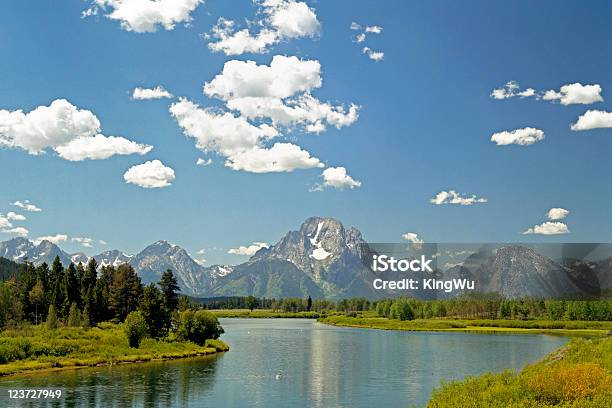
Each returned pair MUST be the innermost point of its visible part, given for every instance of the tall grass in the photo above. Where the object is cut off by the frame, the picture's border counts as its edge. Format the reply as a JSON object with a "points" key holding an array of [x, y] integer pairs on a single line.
{"points": [[36, 348]]}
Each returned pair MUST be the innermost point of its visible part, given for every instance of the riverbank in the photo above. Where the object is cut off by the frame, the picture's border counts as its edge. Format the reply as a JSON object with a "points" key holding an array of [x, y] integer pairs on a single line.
{"points": [[577, 375], [564, 328], [35, 348], [263, 314]]}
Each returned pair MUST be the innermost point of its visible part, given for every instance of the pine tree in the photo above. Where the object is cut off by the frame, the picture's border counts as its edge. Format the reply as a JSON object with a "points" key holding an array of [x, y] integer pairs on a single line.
{"points": [[125, 292], [51, 318], [153, 311], [170, 288], [70, 288], [74, 315], [55, 284]]}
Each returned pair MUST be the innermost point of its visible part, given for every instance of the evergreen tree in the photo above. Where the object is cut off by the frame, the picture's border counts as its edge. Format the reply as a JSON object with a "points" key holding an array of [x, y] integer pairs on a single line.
{"points": [[37, 299], [55, 284], [101, 295], [153, 312], [125, 292], [70, 289], [74, 315], [169, 287], [51, 318]]}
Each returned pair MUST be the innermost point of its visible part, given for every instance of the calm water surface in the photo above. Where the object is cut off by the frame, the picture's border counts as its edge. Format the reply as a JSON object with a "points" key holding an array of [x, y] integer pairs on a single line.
{"points": [[295, 362]]}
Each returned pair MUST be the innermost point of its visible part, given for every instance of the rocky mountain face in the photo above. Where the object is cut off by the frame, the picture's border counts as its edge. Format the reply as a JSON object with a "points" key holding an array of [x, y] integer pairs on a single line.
{"points": [[19, 249], [323, 259]]}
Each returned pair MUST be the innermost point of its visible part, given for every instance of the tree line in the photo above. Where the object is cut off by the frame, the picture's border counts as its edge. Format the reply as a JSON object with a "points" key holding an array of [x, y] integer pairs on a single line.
{"points": [[470, 306]]}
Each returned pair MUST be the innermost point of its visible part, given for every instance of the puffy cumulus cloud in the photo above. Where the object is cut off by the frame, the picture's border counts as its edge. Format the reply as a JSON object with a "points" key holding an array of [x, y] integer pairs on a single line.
{"points": [[5, 222], [510, 90], [279, 93], [71, 132], [555, 214], [248, 250], [26, 205], [593, 119], [548, 228], [569, 94], [19, 231], [54, 239], [373, 29], [281, 157], [575, 94], [152, 174], [282, 20], [220, 132], [412, 237], [284, 77], [151, 93], [337, 177], [145, 16], [203, 162], [100, 147], [84, 241], [453, 197], [524, 137], [15, 217]]}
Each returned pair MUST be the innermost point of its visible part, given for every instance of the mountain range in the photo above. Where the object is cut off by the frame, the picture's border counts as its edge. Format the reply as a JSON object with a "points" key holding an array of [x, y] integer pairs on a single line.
{"points": [[325, 259]]}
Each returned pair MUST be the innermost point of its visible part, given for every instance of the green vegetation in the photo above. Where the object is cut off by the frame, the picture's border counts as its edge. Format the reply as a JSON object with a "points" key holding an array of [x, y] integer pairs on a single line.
{"points": [[264, 314], [68, 317], [38, 348], [370, 321], [578, 375]]}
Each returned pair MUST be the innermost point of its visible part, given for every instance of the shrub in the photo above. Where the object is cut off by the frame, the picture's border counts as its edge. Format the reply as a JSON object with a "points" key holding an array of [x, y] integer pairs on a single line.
{"points": [[569, 382], [74, 316], [198, 326], [135, 328]]}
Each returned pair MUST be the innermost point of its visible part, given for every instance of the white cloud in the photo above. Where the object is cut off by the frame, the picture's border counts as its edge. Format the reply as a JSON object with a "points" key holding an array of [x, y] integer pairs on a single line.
{"points": [[19, 231], [279, 92], [453, 197], [203, 162], [150, 93], [361, 37], [281, 157], [15, 217], [4, 222], [282, 20], [248, 251], [26, 205], [152, 174], [412, 237], [337, 177], [73, 133], [284, 77], [355, 26], [373, 55], [143, 16], [510, 90], [555, 214], [373, 29], [100, 147], [593, 119], [54, 239], [84, 241], [548, 228], [575, 94], [102, 242], [524, 137], [567, 95], [200, 251]]}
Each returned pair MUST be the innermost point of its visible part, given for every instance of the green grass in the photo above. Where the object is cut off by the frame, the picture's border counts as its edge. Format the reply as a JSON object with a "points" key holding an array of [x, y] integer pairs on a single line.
{"points": [[264, 314], [37, 348], [577, 375], [368, 320]]}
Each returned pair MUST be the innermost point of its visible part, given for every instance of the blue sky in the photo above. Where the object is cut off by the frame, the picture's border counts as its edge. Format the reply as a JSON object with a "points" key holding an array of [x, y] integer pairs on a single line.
{"points": [[425, 122]]}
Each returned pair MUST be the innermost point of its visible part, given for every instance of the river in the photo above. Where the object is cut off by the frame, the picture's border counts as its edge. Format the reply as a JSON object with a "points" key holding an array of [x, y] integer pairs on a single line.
{"points": [[295, 362]]}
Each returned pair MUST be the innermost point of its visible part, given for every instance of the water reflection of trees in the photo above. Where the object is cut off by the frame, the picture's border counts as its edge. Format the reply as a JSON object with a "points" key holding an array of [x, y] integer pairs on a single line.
{"points": [[156, 384]]}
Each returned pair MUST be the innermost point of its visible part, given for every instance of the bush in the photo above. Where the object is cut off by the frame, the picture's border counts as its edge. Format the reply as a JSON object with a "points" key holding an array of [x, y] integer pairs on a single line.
{"points": [[135, 328], [198, 326], [74, 316], [569, 382]]}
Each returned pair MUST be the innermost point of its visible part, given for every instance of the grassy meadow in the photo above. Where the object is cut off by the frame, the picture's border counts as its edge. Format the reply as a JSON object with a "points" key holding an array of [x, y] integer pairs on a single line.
{"points": [[35, 347], [577, 375]]}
